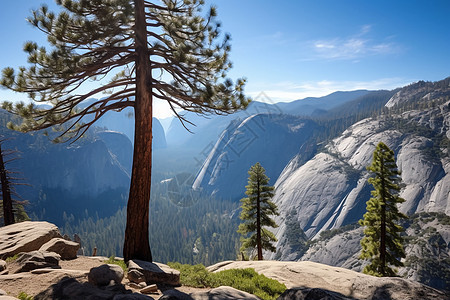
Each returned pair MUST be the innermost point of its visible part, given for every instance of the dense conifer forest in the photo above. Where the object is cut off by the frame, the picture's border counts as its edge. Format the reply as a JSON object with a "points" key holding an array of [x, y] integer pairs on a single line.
{"points": [[204, 231]]}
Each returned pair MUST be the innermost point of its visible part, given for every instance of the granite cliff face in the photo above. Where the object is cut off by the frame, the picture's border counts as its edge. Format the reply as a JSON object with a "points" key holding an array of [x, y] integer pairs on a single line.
{"points": [[269, 139], [426, 244], [331, 189], [91, 175]]}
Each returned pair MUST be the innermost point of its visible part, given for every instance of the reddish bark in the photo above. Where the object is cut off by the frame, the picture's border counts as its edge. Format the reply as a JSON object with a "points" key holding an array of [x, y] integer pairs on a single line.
{"points": [[136, 244]]}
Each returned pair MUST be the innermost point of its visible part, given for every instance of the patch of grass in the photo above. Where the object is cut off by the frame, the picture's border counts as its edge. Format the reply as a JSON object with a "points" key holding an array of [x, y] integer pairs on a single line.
{"points": [[112, 260], [12, 258], [24, 296], [247, 280]]}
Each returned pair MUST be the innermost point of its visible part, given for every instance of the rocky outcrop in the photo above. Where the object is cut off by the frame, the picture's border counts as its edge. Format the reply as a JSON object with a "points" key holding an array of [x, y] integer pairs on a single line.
{"points": [[311, 294], [66, 249], [426, 244], [2, 265], [25, 236], [70, 288], [105, 275], [155, 272], [222, 293], [33, 260], [338, 280]]}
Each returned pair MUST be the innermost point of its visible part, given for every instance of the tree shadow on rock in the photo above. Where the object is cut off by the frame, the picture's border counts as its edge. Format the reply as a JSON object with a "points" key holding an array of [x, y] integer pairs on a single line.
{"points": [[70, 288], [303, 293]]}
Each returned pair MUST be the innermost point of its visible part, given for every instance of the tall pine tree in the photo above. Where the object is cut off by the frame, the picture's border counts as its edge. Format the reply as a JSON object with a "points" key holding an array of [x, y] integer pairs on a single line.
{"points": [[256, 211], [382, 243], [149, 49]]}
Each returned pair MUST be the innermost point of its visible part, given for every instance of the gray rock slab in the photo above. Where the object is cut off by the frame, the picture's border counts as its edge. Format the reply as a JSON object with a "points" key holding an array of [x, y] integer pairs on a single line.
{"points": [[135, 276], [2, 265], [311, 294], [175, 295], [223, 293], [346, 282], [25, 236], [104, 274], [60, 271], [29, 261], [69, 288], [67, 249], [155, 272], [150, 289]]}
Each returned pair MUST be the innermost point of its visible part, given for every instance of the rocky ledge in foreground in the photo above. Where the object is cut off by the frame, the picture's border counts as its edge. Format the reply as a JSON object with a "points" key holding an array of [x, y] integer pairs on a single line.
{"points": [[309, 278], [43, 271]]}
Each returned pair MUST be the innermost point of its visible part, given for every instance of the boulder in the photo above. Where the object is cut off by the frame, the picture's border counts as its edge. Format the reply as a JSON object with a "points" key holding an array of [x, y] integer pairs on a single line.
{"points": [[66, 248], [2, 265], [223, 293], [2, 292], [105, 274], [155, 272], [25, 237], [29, 261], [311, 294], [175, 295], [135, 276], [150, 289]]}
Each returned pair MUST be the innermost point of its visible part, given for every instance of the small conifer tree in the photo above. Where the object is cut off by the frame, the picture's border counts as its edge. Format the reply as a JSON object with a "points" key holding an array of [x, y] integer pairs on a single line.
{"points": [[382, 243], [257, 208], [296, 237]]}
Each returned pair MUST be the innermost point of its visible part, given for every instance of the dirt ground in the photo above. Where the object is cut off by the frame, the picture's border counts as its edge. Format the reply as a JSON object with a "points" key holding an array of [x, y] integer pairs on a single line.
{"points": [[33, 284]]}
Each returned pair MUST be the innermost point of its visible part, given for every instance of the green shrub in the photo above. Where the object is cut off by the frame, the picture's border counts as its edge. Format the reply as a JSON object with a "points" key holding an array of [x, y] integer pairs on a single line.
{"points": [[247, 280], [112, 260], [24, 296], [12, 258], [195, 276]]}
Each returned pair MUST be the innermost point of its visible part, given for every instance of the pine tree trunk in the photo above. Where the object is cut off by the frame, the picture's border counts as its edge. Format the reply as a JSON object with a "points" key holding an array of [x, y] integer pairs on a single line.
{"points": [[136, 245], [383, 241], [8, 214], [258, 223]]}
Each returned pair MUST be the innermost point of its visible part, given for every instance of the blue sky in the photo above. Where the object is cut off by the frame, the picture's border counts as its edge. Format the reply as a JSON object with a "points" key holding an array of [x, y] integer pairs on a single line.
{"points": [[295, 49]]}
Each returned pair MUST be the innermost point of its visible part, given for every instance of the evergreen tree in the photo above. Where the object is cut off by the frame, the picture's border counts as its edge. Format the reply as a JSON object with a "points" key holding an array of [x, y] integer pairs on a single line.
{"points": [[382, 243], [8, 213], [295, 235], [13, 210], [256, 211], [149, 50]]}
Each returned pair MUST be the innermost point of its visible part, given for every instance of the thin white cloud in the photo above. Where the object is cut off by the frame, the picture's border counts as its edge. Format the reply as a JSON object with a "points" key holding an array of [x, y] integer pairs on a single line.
{"points": [[352, 47], [289, 91]]}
